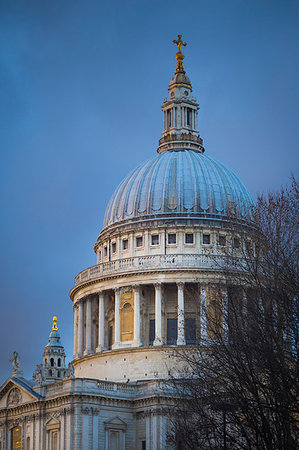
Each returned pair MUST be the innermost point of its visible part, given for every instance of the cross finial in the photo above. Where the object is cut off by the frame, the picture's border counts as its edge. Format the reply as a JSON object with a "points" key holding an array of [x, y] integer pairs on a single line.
{"points": [[179, 42], [54, 327], [179, 55]]}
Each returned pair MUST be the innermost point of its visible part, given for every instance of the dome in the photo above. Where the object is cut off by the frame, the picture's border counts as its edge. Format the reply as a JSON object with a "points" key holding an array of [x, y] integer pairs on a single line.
{"points": [[182, 183]]}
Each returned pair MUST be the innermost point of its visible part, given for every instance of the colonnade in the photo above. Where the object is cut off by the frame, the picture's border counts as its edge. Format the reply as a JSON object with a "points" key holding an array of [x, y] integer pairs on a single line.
{"points": [[83, 320]]}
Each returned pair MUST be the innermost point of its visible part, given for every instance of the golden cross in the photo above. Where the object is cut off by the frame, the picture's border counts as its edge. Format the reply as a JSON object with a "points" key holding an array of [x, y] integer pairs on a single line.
{"points": [[179, 42], [54, 327]]}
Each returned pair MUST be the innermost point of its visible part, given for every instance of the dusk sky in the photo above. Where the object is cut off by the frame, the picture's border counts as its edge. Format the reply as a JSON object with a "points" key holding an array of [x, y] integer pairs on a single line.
{"points": [[82, 84]]}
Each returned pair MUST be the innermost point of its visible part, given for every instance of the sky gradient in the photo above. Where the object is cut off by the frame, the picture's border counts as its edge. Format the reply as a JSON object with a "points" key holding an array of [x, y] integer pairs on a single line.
{"points": [[82, 85]]}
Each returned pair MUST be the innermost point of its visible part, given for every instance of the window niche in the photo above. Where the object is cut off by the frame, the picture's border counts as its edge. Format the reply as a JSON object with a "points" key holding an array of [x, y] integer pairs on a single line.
{"points": [[189, 238], [155, 239], [171, 238], [125, 244], [115, 430], [206, 239], [139, 241]]}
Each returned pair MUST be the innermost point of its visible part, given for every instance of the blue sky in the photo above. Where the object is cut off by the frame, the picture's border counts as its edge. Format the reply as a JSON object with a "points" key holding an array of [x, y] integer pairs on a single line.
{"points": [[82, 84]]}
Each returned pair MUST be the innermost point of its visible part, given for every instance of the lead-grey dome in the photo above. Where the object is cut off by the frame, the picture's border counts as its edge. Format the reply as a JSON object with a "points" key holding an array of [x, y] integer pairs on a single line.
{"points": [[179, 184]]}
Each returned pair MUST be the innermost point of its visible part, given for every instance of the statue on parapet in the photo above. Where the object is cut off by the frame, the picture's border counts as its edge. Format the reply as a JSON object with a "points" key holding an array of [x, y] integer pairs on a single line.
{"points": [[16, 365], [70, 371], [39, 374]]}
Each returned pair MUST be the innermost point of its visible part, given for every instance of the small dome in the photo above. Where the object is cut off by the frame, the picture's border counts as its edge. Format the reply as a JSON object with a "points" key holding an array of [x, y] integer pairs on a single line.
{"points": [[182, 183], [180, 78]]}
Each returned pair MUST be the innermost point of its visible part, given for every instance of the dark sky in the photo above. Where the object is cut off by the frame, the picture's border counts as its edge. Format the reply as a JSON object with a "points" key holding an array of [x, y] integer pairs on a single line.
{"points": [[82, 83]]}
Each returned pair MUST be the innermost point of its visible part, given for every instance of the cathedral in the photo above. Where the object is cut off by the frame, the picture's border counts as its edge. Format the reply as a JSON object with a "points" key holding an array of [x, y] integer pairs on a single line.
{"points": [[159, 259]]}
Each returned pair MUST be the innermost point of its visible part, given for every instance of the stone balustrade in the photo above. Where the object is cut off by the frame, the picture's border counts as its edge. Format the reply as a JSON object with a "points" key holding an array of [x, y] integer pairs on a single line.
{"points": [[137, 263]]}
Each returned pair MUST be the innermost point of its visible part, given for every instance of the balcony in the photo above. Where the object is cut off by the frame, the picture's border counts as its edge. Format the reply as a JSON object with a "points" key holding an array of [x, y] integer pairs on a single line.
{"points": [[158, 262]]}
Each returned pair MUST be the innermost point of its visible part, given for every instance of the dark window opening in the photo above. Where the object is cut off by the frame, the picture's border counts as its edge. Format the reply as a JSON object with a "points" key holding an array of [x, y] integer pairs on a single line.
{"points": [[105, 252], [172, 331], [52, 362], [139, 241], [188, 117], [171, 238], [59, 362], [58, 374], [114, 247], [222, 241], [236, 243], [155, 239], [151, 331], [110, 336], [206, 239], [125, 244], [189, 238], [190, 331], [143, 445], [50, 373]]}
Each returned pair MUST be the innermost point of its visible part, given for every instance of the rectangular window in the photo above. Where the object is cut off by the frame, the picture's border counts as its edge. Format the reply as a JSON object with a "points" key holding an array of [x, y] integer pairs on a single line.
{"points": [[222, 241], [206, 239], [171, 238], [151, 331], [155, 239], [113, 247], [190, 331], [105, 252], [139, 240], [143, 445], [172, 331], [189, 238], [236, 243], [188, 116], [125, 244]]}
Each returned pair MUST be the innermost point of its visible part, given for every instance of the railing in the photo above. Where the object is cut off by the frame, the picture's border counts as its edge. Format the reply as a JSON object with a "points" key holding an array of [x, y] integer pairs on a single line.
{"points": [[180, 137], [179, 261]]}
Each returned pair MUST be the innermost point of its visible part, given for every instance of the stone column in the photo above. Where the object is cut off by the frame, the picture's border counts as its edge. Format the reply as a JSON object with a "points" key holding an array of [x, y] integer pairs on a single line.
{"points": [[88, 327], [136, 290], [203, 314], [158, 314], [75, 331], [181, 314], [80, 328], [101, 329], [117, 319]]}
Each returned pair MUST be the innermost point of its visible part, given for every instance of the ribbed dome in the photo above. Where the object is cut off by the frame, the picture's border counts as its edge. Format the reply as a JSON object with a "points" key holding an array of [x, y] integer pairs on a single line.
{"points": [[178, 183]]}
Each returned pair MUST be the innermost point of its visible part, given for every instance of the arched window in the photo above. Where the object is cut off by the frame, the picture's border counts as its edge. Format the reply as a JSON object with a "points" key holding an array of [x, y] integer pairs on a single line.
{"points": [[52, 362], [59, 362]]}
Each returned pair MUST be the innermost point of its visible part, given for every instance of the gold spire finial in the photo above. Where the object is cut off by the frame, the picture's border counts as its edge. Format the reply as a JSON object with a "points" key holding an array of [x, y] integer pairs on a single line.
{"points": [[54, 327], [179, 55]]}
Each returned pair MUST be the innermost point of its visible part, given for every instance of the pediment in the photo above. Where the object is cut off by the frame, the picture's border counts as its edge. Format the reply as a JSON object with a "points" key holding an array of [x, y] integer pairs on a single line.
{"points": [[53, 424], [15, 393], [115, 423]]}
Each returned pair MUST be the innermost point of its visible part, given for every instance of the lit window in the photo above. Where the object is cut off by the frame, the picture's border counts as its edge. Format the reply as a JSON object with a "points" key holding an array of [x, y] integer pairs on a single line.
{"points": [[206, 239], [222, 241], [189, 238], [125, 244], [114, 247], [236, 243], [139, 241], [171, 238], [105, 252], [155, 239]]}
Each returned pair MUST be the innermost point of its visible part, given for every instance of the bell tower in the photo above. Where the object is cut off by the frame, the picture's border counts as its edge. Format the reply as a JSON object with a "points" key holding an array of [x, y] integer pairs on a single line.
{"points": [[180, 131], [54, 368]]}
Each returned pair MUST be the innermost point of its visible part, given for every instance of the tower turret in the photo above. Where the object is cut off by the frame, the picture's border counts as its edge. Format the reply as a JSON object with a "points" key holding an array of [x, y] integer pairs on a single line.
{"points": [[180, 131], [54, 356]]}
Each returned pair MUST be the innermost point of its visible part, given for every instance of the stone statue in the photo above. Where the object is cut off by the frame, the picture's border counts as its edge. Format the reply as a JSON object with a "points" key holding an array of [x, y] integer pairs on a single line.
{"points": [[39, 374], [16, 365], [70, 371]]}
